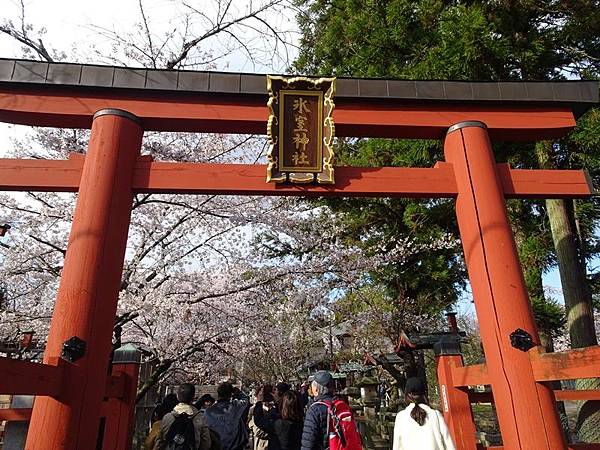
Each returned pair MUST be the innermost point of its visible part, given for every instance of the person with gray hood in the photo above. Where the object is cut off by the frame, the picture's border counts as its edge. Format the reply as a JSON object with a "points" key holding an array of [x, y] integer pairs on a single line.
{"points": [[314, 434], [185, 427]]}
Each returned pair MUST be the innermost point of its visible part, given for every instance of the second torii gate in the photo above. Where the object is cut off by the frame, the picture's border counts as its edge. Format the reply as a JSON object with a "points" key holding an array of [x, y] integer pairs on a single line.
{"points": [[119, 104]]}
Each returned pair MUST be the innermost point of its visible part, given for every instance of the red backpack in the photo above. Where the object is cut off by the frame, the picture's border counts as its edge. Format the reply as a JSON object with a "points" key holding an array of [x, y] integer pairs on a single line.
{"points": [[341, 426]]}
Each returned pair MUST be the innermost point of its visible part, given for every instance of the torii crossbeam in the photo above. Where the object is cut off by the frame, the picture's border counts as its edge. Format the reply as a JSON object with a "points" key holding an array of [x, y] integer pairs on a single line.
{"points": [[120, 103]]}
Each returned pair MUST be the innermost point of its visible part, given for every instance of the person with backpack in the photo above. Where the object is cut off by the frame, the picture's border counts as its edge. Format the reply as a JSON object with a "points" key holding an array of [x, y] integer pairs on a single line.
{"points": [[228, 417], [184, 428], [418, 425], [165, 406], [329, 423], [283, 428]]}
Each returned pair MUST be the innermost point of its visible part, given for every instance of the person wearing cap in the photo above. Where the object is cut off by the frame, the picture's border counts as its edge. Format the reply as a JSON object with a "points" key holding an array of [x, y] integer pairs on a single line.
{"points": [[418, 425], [314, 433]]}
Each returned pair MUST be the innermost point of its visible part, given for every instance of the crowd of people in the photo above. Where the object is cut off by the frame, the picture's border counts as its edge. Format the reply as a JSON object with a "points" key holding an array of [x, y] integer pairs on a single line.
{"points": [[281, 418]]}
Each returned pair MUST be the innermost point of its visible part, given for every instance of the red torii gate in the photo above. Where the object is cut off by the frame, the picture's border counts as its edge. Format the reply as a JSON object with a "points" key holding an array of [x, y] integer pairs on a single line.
{"points": [[119, 104]]}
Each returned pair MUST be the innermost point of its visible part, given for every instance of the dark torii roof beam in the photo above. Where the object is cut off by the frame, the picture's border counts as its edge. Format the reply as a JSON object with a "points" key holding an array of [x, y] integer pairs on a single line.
{"points": [[67, 95]]}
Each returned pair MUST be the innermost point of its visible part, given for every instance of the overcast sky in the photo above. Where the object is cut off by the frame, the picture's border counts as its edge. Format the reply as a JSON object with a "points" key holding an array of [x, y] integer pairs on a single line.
{"points": [[74, 26], [80, 28]]}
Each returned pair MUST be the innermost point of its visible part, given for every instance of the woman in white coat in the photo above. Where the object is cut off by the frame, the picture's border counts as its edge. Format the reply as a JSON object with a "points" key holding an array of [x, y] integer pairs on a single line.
{"points": [[419, 427]]}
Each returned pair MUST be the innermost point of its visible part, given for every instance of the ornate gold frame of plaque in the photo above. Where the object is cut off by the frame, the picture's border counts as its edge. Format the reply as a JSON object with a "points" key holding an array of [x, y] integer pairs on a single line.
{"points": [[300, 130]]}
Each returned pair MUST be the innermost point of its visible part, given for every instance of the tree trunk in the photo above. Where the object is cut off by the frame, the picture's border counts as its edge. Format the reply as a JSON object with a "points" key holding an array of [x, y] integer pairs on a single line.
{"points": [[578, 306], [154, 378], [576, 293], [392, 370], [578, 300]]}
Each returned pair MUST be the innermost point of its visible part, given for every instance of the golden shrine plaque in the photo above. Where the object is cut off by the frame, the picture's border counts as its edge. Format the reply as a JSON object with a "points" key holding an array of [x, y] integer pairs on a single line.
{"points": [[300, 130]]}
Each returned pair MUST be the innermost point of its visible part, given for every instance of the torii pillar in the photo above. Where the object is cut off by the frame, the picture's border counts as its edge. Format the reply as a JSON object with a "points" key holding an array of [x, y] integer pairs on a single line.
{"points": [[527, 411], [87, 296]]}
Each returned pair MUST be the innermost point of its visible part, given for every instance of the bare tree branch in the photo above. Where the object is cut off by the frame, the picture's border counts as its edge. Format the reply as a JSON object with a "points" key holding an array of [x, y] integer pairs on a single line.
{"points": [[218, 27], [23, 37], [147, 33], [49, 244]]}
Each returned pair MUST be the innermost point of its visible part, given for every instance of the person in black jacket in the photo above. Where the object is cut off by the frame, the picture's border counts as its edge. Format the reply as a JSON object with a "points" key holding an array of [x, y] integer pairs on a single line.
{"points": [[314, 435], [284, 429], [228, 418]]}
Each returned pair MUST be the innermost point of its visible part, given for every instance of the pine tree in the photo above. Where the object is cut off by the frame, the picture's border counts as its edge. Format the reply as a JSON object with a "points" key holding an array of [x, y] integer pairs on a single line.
{"points": [[477, 40]]}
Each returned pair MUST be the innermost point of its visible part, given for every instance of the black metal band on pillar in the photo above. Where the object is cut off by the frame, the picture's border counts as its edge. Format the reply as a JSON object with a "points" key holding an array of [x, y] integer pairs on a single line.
{"points": [[466, 124], [117, 112]]}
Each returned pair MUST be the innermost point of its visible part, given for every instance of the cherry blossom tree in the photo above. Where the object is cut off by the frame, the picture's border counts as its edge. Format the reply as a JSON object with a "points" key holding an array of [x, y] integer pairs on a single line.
{"points": [[210, 283], [184, 253]]}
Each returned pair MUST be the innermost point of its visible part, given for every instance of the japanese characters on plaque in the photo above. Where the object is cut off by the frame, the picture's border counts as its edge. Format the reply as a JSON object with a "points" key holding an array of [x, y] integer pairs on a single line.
{"points": [[300, 130]]}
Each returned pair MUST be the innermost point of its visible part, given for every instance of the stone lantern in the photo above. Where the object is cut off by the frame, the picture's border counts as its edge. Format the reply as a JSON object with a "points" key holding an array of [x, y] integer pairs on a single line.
{"points": [[368, 391]]}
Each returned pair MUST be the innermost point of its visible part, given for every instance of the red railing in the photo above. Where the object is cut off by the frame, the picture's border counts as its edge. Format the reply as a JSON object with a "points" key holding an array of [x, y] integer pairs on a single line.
{"points": [[456, 379], [28, 378]]}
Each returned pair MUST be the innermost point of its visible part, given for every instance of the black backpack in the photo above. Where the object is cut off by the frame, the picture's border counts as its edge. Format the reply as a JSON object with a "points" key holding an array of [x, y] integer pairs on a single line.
{"points": [[181, 434]]}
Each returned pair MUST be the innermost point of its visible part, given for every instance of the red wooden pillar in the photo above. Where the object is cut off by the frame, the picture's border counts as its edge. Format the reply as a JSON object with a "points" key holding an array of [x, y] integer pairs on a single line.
{"points": [[118, 429], [526, 410], [456, 405], [88, 292]]}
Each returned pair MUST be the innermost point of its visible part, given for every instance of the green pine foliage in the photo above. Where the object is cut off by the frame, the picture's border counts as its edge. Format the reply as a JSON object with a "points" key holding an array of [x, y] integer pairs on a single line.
{"points": [[458, 40]]}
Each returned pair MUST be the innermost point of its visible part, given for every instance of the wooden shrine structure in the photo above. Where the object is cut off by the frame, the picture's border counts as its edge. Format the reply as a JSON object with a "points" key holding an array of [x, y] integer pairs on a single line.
{"points": [[74, 391]]}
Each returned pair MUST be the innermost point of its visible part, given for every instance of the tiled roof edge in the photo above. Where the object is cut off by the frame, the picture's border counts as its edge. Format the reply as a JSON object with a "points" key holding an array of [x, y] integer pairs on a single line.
{"points": [[580, 94]]}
